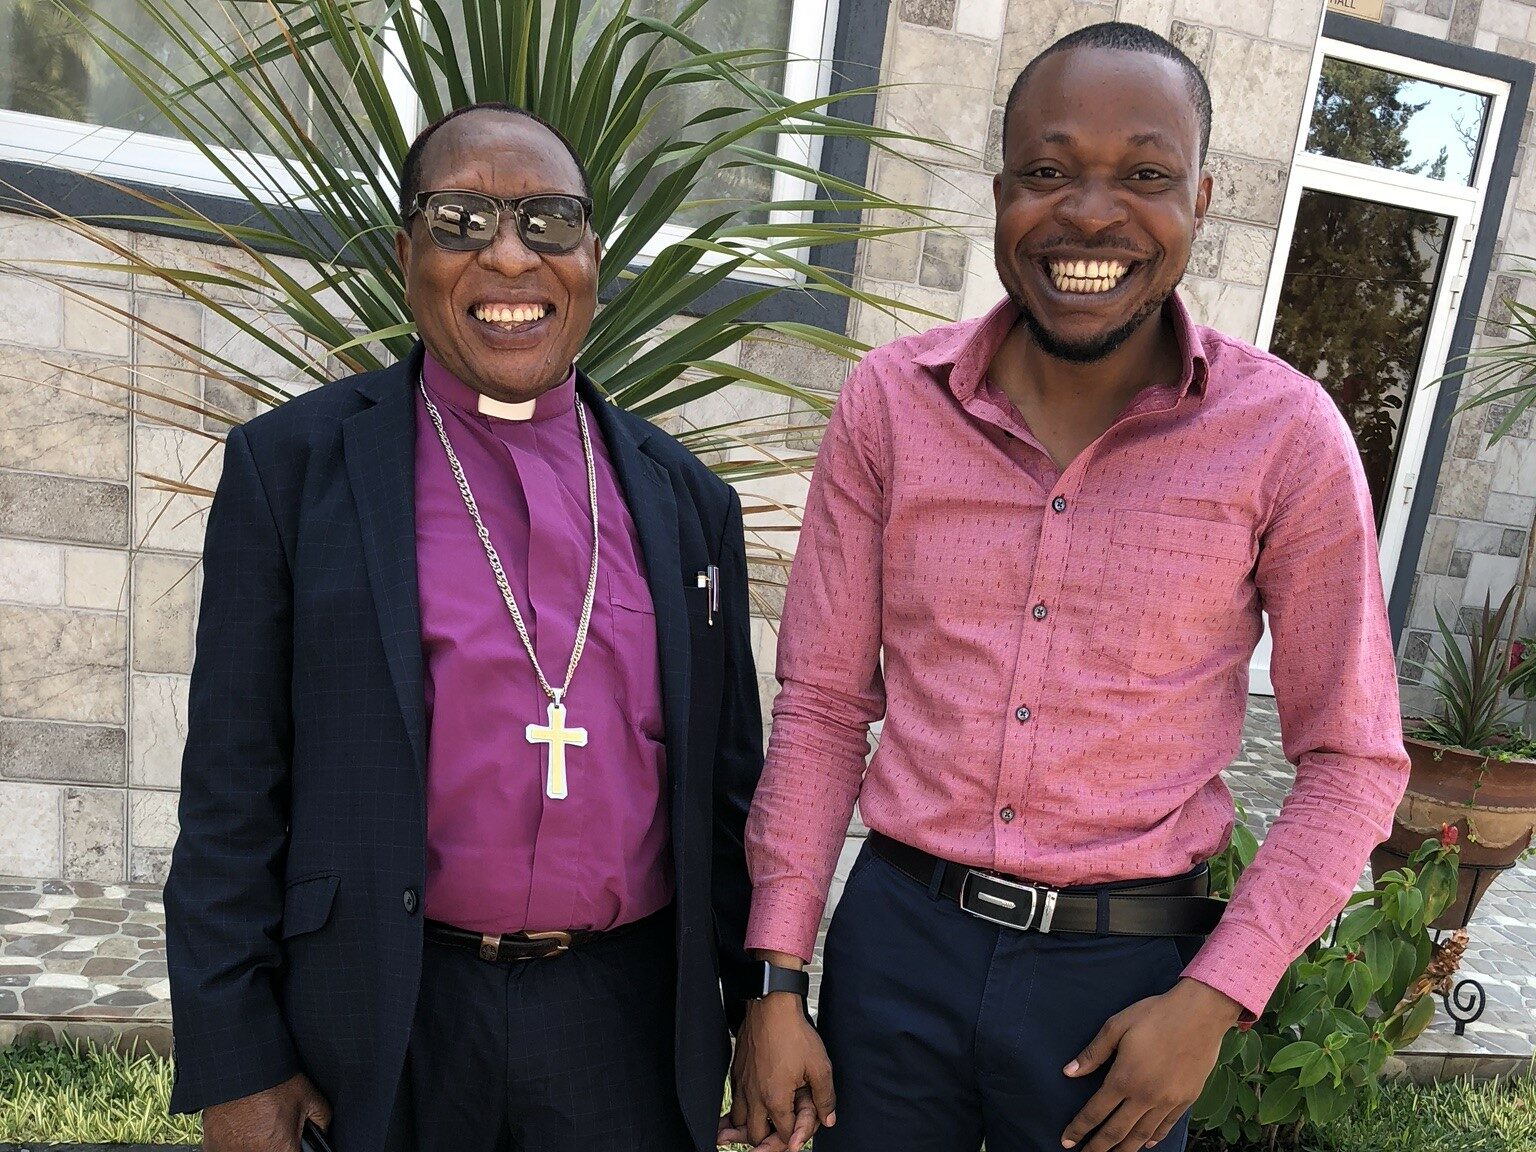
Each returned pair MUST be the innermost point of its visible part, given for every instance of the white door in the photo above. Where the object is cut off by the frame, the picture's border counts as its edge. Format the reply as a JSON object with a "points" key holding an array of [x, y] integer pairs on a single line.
{"points": [[1372, 254]]}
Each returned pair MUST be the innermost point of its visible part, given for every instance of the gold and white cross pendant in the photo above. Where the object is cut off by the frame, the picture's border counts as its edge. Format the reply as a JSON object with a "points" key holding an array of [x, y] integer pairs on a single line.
{"points": [[556, 736]]}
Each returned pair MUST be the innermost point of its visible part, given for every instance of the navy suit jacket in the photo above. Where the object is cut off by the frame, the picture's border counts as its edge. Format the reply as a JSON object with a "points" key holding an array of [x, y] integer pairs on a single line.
{"points": [[294, 931]]}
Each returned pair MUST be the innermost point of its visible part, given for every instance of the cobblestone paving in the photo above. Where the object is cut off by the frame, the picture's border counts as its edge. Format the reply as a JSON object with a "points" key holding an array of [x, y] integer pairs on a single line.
{"points": [[86, 959], [89, 959]]}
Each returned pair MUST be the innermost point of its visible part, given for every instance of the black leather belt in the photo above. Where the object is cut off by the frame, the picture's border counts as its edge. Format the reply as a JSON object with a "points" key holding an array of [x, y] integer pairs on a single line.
{"points": [[515, 945], [1178, 906]]}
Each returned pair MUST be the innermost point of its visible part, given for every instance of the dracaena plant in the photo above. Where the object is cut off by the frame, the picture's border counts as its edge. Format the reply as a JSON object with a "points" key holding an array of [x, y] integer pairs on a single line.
{"points": [[1473, 713], [306, 90]]}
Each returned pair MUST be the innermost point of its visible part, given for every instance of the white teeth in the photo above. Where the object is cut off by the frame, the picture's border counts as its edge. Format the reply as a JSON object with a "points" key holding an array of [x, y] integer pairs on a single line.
{"points": [[1087, 276], [510, 314]]}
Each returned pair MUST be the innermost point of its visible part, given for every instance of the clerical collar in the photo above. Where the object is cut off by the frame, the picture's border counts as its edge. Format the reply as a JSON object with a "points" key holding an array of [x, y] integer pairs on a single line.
{"points": [[448, 388]]}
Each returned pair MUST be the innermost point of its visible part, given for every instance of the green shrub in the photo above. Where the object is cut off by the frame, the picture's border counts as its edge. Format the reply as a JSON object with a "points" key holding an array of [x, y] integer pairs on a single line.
{"points": [[1355, 996]]}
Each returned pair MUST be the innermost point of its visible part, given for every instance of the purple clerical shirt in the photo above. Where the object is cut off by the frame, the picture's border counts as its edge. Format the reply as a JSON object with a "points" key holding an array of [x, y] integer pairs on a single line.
{"points": [[501, 855]]}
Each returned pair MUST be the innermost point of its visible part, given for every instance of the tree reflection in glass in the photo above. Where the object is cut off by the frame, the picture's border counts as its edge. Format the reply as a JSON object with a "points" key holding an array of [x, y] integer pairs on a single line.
{"points": [[1359, 287]]}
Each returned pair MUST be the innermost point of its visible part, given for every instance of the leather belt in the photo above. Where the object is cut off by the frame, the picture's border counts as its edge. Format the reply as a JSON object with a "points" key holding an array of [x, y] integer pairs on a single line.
{"points": [[1177, 906], [515, 945]]}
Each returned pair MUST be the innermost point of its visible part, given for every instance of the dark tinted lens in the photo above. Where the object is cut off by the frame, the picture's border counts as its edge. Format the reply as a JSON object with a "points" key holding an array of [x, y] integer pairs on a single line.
{"points": [[551, 223], [461, 221]]}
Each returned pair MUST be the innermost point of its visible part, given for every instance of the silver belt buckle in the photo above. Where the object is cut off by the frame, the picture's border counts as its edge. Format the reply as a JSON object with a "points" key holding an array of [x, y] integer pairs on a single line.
{"points": [[1039, 897]]}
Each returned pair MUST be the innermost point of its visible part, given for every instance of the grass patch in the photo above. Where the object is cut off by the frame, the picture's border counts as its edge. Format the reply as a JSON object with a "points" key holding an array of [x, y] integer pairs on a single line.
{"points": [[1451, 1116], [81, 1094]]}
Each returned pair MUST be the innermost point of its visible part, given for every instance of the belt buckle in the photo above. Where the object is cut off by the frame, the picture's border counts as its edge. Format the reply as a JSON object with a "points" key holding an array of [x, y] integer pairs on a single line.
{"points": [[561, 940], [1040, 898]]}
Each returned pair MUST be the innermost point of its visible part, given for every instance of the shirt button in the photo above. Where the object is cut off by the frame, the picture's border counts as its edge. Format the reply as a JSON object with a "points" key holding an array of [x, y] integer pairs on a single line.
{"points": [[1006, 815], [1059, 504], [410, 901], [1041, 612], [1022, 715]]}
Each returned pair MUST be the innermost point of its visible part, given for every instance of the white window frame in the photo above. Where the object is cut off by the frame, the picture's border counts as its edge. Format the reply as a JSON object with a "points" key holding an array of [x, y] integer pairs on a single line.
{"points": [[164, 161], [1462, 203]]}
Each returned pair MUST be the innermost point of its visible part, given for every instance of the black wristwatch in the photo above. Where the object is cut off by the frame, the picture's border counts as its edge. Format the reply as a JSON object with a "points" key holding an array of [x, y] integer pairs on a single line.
{"points": [[773, 978]]}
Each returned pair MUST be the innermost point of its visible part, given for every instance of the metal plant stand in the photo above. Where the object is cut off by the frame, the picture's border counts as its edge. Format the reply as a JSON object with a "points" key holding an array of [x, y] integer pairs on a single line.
{"points": [[1464, 1000]]}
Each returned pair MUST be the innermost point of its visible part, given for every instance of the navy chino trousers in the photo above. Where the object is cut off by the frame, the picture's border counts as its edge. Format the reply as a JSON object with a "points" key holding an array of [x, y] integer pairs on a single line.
{"points": [[945, 1031]]}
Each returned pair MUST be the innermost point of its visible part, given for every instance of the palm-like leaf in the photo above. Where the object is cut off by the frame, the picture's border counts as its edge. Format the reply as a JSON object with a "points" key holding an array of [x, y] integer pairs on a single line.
{"points": [[1469, 686], [309, 87]]}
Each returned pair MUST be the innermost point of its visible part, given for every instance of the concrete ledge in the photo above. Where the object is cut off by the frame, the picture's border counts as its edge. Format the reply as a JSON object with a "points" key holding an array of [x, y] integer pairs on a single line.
{"points": [[1430, 1067], [126, 1037]]}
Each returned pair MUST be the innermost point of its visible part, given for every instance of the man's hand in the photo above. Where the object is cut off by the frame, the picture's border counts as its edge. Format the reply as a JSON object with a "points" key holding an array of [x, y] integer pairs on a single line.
{"points": [[1164, 1048], [781, 1081], [270, 1121]]}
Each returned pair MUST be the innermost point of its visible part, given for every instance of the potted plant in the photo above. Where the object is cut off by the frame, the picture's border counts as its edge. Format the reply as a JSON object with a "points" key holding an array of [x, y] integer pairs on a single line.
{"points": [[1473, 776]]}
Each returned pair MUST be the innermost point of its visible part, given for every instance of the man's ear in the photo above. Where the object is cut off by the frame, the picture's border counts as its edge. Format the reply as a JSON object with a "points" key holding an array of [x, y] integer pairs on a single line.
{"points": [[1203, 197], [597, 251], [402, 250]]}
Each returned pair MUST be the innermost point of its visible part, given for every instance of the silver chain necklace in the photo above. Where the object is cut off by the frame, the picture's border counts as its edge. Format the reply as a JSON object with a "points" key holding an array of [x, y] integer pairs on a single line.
{"points": [[554, 735]]}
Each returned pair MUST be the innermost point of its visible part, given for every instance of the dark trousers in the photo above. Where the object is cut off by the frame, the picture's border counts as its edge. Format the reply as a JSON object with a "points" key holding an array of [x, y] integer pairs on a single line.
{"points": [[945, 1031], [571, 1052]]}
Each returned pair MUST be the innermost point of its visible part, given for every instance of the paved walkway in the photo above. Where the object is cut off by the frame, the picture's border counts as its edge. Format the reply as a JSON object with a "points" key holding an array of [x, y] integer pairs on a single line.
{"points": [[89, 959]]}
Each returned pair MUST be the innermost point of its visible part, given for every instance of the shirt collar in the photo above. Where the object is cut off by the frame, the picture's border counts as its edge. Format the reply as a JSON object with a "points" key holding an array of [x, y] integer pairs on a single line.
{"points": [[445, 386], [967, 349]]}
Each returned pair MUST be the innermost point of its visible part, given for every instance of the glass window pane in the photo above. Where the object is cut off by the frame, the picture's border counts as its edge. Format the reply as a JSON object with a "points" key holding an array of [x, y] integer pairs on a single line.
{"points": [[1355, 309], [53, 68], [721, 25], [1396, 122]]}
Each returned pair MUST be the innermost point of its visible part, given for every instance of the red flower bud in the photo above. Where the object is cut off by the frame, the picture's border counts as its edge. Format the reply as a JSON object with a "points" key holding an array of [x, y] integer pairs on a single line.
{"points": [[1449, 834]]}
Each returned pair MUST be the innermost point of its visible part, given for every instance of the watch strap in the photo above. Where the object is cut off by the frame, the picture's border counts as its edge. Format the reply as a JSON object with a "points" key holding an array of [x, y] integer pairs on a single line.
{"points": [[777, 979]]}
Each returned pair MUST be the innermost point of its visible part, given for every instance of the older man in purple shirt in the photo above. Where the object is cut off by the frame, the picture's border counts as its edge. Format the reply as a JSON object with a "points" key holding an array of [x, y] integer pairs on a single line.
{"points": [[501, 855], [474, 724]]}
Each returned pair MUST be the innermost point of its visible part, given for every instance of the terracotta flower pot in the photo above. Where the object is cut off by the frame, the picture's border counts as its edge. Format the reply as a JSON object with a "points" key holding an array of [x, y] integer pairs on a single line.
{"points": [[1490, 802]]}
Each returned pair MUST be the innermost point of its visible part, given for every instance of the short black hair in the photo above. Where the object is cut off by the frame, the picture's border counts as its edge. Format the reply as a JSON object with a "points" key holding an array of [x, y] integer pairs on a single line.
{"points": [[1125, 38], [410, 170]]}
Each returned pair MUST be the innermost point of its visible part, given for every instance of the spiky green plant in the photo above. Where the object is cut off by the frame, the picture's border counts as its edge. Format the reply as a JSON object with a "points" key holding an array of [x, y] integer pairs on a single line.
{"points": [[312, 85], [78, 1093], [1469, 687]]}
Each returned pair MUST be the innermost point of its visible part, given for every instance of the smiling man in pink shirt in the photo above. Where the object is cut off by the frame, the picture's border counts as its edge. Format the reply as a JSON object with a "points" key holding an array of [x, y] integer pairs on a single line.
{"points": [[1059, 525]]}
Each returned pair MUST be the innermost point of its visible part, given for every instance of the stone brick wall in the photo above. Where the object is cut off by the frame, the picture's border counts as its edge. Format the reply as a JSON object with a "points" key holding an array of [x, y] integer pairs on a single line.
{"points": [[97, 595]]}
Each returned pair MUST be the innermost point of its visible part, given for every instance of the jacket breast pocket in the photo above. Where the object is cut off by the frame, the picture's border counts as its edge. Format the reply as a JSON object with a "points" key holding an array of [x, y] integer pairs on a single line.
{"points": [[307, 904], [1175, 590]]}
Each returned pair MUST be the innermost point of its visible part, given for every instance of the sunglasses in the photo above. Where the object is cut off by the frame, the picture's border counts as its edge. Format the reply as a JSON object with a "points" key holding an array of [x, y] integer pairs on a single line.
{"points": [[469, 221]]}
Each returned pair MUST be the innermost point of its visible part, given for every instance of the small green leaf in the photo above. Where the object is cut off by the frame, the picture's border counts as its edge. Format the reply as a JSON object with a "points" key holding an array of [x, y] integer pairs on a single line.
{"points": [[1281, 1101], [1300, 1006], [1216, 1101], [1357, 924], [1314, 1069], [1417, 1019], [1294, 1056]]}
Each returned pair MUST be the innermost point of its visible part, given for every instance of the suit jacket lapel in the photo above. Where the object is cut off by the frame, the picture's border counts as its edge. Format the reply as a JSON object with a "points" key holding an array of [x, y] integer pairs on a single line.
{"points": [[379, 444], [647, 488]]}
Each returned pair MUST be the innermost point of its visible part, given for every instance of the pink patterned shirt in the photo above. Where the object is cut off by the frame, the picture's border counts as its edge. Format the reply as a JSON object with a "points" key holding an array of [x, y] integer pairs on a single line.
{"points": [[1065, 654]]}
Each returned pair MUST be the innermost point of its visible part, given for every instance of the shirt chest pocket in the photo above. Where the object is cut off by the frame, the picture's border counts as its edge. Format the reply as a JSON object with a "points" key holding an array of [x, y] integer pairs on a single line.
{"points": [[1175, 590]]}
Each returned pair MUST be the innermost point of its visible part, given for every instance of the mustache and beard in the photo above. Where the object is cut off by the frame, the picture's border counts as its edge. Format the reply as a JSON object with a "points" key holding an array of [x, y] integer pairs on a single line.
{"points": [[1098, 347]]}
